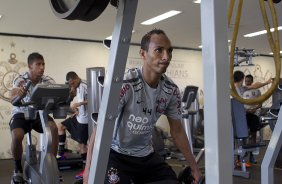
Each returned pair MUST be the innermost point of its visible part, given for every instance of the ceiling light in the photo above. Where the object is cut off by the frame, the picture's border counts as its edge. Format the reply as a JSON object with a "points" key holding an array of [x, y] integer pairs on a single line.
{"points": [[111, 37], [1, 16], [197, 1], [201, 46], [260, 32], [161, 17]]}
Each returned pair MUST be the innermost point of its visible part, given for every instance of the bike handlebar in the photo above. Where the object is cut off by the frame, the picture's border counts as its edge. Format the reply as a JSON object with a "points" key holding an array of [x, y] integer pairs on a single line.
{"points": [[17, 101]]}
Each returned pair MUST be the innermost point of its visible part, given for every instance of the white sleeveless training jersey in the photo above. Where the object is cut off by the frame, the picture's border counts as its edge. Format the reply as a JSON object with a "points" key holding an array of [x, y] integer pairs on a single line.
{"points": [[81, 95], [21, 81]]}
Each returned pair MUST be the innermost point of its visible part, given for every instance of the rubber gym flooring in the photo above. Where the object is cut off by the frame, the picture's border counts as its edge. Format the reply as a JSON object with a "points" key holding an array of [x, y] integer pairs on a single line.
{"points": [[6, 167]]}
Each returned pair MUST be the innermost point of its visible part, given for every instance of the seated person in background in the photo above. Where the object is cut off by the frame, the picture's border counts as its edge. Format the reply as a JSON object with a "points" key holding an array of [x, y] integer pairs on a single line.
{"points": [[18, 124], [146, 94], [77, 124], [252, 111], [239, 80], [250, 90]]}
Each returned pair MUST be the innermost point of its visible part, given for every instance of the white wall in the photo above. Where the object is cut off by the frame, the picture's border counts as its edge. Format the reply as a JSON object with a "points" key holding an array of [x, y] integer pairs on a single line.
{"points": [[262, 70], [62, 56]]}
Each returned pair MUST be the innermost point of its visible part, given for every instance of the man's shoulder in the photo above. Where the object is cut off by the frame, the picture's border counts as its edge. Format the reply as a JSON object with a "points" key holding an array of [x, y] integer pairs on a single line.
{"points": [[21, 79], [168, 81], [23, 76], [131, 75], [83, 83], [47, 79]]}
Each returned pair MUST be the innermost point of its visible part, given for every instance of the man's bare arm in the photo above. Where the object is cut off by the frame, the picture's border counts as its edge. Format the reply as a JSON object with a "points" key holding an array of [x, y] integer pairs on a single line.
{"points": [[17, 91], [259, 84], [180, 139]]}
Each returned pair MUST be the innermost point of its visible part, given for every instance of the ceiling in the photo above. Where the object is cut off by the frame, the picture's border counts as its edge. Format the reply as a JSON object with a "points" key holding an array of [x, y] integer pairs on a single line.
{"points": [[35, 17]]}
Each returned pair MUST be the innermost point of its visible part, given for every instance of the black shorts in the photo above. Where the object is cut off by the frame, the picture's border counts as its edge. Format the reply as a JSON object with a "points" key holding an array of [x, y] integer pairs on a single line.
{"points": [[19, 121], [123, 169], [78, 131], [253, 122]]}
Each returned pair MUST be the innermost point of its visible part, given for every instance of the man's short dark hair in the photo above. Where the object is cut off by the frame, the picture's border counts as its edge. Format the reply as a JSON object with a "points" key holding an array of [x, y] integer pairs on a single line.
{"points": [[147, 37], [238, 76], [34, 56], [71, 75]]}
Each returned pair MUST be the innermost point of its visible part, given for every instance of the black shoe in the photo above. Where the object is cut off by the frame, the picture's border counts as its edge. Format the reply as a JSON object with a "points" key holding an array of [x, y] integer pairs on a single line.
{"points": [[61, 178], [252, 159], [18, 178]]}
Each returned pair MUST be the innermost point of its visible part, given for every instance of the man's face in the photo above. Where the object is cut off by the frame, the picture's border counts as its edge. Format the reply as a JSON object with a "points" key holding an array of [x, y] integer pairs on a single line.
{"points": [[159, 54], [74, 83], [248, 81], [37, 68]]}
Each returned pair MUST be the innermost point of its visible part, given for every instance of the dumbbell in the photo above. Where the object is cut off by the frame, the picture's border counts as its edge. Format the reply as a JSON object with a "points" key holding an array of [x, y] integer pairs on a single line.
{"points": [[185, 177]]}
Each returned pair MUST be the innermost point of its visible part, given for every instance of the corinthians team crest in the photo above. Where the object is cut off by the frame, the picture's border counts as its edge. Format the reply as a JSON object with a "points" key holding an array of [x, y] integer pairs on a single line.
{"points": [[8, 71], [113, 176]]}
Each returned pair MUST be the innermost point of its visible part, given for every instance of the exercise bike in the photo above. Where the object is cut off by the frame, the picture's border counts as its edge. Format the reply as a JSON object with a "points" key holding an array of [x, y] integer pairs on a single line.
{"points": [[46, 99], [190, 109]]}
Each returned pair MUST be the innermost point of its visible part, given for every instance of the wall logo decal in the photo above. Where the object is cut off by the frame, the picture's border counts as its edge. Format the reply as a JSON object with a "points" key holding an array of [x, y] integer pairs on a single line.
{"points": [[8, 71]]}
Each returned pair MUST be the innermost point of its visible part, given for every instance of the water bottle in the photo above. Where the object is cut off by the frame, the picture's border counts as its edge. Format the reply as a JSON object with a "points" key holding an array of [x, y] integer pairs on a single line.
{"points": [[243, 165]]}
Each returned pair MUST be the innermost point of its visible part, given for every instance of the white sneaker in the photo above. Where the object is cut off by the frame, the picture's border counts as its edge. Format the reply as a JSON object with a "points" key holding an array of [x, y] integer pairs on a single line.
{"points": [[256, 152]]}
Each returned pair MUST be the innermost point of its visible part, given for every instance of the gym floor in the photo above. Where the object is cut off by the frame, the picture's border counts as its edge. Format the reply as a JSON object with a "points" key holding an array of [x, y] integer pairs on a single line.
{"points": [[6, 168]]}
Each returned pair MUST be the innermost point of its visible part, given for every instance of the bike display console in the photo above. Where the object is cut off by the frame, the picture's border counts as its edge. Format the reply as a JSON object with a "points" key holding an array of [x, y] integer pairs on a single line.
{"points": [[58, 93]]}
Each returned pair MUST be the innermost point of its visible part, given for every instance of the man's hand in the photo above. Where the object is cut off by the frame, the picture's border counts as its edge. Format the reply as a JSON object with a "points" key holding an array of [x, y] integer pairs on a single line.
{"points": [[74, 114], [22, 92], [196, 174], [74, 106], [18, 92], [251, 110], [269, 81]]}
